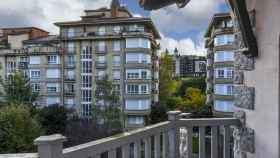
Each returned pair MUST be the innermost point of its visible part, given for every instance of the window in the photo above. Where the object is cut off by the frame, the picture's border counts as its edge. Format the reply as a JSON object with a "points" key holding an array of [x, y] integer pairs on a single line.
{"points": [[143, 104], [71, 32], [137, 89], [86, 53], [144, 89], [71, 60], [35, 74], [137, 120], [138, 58], [86, 110], [70, 103], [132, 75], [117, 75], [86, 95], [132, 89], [102, 30], [53, 59], [34, 60], [223, 40], [53, 73], [70, 47], [116, 29], [223, 89], [69, 88], [53, 87], [35, 87], [223, 106], [11, 66], [117, 45], [70, 74], [86, 81], [53, 100], [101, 59], [86, 67], [136, 28], [138, 43], [117, 60], [144, 74], [101, 74], [138, 74], [224, 72], [229, 23], [222, 56], [101, 46]]}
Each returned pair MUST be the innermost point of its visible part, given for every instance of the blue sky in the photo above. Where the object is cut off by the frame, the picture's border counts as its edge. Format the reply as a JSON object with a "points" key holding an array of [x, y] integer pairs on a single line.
{"points": [[180, 28], [194, 29]]}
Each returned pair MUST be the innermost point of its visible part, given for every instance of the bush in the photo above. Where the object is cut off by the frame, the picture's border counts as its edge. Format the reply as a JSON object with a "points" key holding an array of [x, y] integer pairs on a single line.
{"points": [[158, 113], [53, 119], [17, 129]]}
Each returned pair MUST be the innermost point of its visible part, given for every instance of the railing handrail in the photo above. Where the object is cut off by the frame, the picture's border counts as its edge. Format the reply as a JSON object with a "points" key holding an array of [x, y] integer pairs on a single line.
{"points": [[102, 145], [208, 122]]}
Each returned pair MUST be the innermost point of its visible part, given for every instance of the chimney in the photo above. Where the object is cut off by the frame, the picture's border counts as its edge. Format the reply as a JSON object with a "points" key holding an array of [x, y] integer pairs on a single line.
{"points": [[115, 5]]}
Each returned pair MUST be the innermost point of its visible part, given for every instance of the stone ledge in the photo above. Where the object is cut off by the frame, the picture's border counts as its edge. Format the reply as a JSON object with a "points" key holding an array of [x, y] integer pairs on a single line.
{"points": [[242, 62], [244, 97]]}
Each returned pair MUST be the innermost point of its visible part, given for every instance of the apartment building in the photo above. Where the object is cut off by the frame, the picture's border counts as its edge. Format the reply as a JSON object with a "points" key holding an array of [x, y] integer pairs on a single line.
{"points": [[188, 65], [36, 53], [220, 63], [111, 42]]}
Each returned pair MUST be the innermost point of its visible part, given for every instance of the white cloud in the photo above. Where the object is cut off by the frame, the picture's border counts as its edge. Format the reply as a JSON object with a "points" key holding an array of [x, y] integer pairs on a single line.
{"points": [[193, 17], [185, 46], [44, 13]]}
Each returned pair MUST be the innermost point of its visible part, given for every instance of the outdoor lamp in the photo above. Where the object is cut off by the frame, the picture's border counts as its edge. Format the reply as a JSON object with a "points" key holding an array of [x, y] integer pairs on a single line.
{"points": [[157, 4]]}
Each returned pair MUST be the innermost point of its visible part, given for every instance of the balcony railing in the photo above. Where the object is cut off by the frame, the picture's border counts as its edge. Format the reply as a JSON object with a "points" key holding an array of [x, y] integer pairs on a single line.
{"points": [[170, 139]]}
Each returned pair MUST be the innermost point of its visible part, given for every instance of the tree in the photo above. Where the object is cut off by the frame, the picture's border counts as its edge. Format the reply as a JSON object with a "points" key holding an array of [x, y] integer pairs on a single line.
{"points": [[193, 101], [18, 90], [167, 85], [18, 129], [195, 82], [53, 119], [107, 107]]}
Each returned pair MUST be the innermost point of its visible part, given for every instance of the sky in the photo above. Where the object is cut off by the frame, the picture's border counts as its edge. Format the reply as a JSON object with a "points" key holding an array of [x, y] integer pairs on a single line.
{"points": [[181, 28]]}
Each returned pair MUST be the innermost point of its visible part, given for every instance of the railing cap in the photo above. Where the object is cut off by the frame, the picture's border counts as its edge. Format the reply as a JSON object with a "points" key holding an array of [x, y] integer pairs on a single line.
{"points": [[173, 115], [51, 139]]}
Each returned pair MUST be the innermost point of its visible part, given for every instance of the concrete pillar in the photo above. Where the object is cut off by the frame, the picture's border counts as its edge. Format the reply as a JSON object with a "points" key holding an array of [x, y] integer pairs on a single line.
{"points": [[50, 146], [174, 135]]}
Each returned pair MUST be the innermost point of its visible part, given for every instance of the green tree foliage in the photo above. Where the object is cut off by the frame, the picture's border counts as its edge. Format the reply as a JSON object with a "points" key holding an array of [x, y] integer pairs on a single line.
{"points": [[107, 107], [158, 113], [17, 89], [195, 82], [167, 84], [53, 119], [193, 101], [18, 129]]}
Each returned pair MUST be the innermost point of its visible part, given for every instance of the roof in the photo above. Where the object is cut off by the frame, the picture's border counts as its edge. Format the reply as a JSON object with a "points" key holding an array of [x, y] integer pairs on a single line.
{"points": [[215, 19], [48, 39], [116, 20], [18, 28]]}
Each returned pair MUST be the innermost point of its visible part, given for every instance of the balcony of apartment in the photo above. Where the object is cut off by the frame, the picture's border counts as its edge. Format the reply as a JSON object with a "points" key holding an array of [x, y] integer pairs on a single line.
{"points": [[23, 65], [42, 50], [137, 111], [101, 65], [68, 78], [70, 64], [101, 50], [137, 64], [173, 139]]}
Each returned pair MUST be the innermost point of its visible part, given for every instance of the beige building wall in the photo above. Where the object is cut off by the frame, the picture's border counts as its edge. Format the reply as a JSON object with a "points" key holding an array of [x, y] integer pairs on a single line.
{"points": [[264, 119], [15, 41]]}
